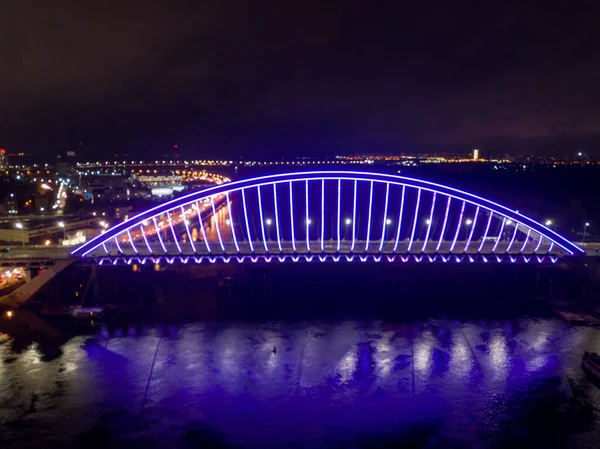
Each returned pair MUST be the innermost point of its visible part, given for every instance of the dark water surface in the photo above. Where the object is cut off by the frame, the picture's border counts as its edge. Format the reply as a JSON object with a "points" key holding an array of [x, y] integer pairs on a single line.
{"points": [[358, 384]]}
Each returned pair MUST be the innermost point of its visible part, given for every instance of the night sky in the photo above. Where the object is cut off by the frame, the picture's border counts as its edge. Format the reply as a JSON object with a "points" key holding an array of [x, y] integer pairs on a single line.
{"points": [[286, 78]]}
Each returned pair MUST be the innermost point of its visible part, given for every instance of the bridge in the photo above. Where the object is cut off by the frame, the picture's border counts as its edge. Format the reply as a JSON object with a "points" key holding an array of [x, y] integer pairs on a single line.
{"points": [[328, 216]]}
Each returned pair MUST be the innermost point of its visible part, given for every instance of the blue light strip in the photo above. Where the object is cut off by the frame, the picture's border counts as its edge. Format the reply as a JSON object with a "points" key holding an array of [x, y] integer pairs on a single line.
{"points": [[323, 214], [246, 220], [551, 246], [472, 230], [105, 248], [540, 238], [458, 226], [187, 228], [546, 232], [262, 220], [235, 242], [128, 260], [415, 221], [275, 205], [339, 211], [173, 232], [354, 217], [526, 240], [131, 242], [292, 216], [158, 235], [215, 220], [400, 218], [385, 209], [439, 244], [201, 223], [513, 237], [487, 228], [369, 216], [499, 234], [118, 245], [145, 239], [307, 221], [430, 223]]}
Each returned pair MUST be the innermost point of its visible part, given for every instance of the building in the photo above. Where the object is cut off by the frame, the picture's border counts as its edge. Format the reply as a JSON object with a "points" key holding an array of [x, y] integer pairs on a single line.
{"points": [[66, 165], [3, 159]]}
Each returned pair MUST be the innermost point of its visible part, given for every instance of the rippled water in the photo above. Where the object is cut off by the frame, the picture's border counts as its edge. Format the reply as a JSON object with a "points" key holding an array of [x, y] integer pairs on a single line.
{"points": [[313, 384]]}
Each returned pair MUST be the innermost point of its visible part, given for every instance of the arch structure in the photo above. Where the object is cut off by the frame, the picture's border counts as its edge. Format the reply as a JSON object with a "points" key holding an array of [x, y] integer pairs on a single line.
{"points": [[329, 216]]}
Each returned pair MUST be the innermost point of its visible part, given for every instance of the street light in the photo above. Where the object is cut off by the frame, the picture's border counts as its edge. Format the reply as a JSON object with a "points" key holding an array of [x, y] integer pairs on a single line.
{"points": [[428, 221], [585, 226], [347, 221], [61, 224], [19, 225], [388, 221], [548, 223], [469, 222], [269, 222]]}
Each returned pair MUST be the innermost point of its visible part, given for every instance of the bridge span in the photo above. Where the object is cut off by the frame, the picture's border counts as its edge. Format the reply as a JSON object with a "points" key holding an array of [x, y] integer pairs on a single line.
{"points": [[329, 216]]}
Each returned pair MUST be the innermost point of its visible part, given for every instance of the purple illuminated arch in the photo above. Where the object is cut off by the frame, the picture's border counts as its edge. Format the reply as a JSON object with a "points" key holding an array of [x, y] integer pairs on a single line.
{"points": [[396, 212]]}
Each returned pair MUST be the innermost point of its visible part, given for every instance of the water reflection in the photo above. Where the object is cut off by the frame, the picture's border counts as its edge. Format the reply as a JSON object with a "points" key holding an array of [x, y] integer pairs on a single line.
{"points": [[305, 382], [498, 354]]}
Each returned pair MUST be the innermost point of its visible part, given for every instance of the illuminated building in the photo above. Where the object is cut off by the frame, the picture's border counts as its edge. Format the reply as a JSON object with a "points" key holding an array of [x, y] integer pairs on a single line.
{"points": [[3, 159]]}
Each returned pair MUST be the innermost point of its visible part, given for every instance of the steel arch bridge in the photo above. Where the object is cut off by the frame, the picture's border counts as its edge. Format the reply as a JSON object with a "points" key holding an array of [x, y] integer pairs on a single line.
{"points": [[329, 216]]}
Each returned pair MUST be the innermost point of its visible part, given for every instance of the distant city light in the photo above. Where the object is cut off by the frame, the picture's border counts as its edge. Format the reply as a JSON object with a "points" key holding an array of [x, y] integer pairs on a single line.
{"points": [[61, 224], [19, 225], [587, 224]]}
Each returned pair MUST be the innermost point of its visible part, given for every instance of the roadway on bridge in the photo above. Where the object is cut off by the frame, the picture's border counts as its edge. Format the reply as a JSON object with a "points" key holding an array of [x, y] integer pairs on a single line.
{"points": [[330, 247]]}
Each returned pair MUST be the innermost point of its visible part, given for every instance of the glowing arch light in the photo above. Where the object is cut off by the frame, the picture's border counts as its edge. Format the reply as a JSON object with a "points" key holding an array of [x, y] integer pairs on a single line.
{"points": [[381, 214]]}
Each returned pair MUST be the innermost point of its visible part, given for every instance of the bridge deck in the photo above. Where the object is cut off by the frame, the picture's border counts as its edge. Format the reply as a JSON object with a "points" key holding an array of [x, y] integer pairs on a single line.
{"points": [[328, 247]]}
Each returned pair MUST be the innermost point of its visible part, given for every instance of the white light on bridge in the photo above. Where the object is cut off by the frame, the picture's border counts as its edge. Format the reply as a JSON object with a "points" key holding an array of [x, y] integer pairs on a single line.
{"points": [[347, 221], [509, 222], [388, 221], [308, 221], [61, 224], [587, 224], [228, 222], [469, 221], [19, 225], [428, 221], [548, 223], [268, 221]]}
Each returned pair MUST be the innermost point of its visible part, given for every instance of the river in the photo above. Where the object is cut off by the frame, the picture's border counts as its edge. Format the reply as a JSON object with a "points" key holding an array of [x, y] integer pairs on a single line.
{"points": [[320, 384]]}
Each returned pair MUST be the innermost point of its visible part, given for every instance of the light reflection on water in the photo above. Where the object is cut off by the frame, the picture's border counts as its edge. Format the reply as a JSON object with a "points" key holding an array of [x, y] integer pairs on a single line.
{"points": [[306, 382]]}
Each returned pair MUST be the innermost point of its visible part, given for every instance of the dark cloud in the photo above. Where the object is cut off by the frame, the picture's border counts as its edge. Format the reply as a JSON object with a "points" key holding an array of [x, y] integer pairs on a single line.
{"points": [[323, 76]]}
